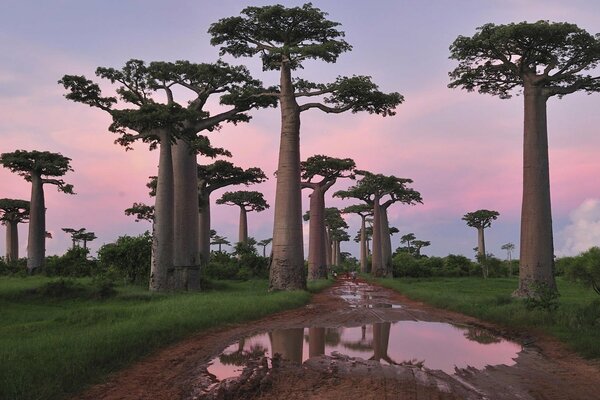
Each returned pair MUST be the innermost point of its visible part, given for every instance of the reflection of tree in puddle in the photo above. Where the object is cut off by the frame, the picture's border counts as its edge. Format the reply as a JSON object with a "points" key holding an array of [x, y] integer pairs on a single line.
{"points": [[363, 344], [242, 356], [481, 336], [381, 341], [287, 343]]}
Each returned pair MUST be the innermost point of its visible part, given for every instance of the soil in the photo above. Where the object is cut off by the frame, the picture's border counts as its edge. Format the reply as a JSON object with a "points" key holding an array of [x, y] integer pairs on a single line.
{"points": [[544, 369]]}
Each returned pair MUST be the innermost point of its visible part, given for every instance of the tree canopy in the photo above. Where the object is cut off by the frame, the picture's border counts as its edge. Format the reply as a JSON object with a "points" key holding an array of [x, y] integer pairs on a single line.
{"points": [[246, 199], [40, 163], [14, 210], [498, 59], [223, 173], [480, 219]]}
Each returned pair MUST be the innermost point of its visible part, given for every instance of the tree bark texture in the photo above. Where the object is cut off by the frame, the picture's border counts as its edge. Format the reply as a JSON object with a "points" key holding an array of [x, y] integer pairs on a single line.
{"points": [[377, 267], [243, 229], [317, 263], [481, 251], [288, 343], [36, 240], [316, 342], [363, 245], [287, 270], [12, 241], [328, 249], [204, 228], [536, 264], [161, 270], [186, 253], [337, 252], [386, 242]]}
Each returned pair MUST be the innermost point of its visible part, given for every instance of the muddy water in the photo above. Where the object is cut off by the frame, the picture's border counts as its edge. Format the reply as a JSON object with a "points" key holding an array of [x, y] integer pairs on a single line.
{"points": [[378, 329]]}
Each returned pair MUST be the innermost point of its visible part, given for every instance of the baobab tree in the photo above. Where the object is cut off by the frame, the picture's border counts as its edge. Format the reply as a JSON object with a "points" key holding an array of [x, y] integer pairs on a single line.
{"points": [[480, 220], [247, 201], [86, 237], [320, 173], [74, 235], [380, 192], [264, 243], [418, 245], [408, 238], [39, 168], [219, 241], [541, 60], [364, 211], [211, 177], [175, 261], [12, 213], [141, 212], [509, 247], [337, 237], [284, 38]]}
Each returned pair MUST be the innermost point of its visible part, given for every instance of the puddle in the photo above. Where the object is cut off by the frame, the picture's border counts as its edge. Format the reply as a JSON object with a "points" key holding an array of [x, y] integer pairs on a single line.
{"points": [[435, 345]]}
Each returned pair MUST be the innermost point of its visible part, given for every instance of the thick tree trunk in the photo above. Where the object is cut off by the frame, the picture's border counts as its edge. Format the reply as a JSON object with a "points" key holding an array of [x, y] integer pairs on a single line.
{"points": [[12, 241], [186, 254], [162, 240], [386, 243], [381, 340], [316, 342], [287, 270], [243, 229], [536, 265], [204, 228], [338, 252], [363, 245], [36, 240], [317, 263], [328, 252], [481, 254], [377, 267]]}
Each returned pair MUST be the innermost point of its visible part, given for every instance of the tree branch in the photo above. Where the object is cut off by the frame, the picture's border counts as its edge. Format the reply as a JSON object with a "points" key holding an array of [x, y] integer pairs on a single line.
{"points": [[324, 108]]}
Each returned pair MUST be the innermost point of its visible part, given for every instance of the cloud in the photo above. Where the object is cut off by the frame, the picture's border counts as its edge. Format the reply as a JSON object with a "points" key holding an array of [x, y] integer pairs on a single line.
{"points": [[583, 231]]}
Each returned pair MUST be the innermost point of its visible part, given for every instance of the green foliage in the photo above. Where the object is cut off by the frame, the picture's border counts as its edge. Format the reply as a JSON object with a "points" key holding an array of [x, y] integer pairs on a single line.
{"points": [[329, 168], [495, 267], [247, 199], [500, 58], [545, 298], [74, 263], [221, 174], [243, 264], [480, 219], [584, 268], [129, 258], [406, 264], [17, 267], [41, 164], [14, 210], [52, 349]]}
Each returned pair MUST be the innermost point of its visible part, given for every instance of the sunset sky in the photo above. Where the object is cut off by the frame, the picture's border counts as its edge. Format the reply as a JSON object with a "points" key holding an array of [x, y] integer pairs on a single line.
{"points": [[463, 150]]}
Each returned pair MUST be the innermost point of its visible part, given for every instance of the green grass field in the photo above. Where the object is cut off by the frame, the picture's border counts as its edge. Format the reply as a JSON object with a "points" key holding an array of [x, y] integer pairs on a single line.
{"points": [[576, 321], [51, 347]]}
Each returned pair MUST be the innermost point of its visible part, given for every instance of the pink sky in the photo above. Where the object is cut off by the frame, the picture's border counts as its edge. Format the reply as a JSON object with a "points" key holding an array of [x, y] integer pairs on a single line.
{"points": [[463, 150]]}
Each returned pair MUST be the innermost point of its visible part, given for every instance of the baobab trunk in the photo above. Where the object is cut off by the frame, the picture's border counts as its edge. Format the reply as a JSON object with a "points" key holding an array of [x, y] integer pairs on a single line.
{"points": [[377, 267], [316, 342], [12, 241], [338, 253], [36, 240], [243, 230], [317, 264], [162, 240], [386, 243], [288, 343], [328, 252], [363, 245], [481, 254], [186, 254], [536, 264], [204, 229], [287, 270]]}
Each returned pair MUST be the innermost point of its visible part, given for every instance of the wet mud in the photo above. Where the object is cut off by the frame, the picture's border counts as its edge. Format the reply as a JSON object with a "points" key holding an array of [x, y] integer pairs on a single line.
{"points": [[363, 341]]}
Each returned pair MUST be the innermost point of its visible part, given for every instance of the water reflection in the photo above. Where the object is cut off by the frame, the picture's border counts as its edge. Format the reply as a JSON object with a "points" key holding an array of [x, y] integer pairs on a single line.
{"points": [[435, 345]]}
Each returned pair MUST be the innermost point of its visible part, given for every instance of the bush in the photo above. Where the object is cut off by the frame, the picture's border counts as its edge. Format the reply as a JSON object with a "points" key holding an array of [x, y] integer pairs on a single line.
{"points": [[128, 258], [18, 267], [73, 263], [584, 268], [496, 268], [545, 298]]}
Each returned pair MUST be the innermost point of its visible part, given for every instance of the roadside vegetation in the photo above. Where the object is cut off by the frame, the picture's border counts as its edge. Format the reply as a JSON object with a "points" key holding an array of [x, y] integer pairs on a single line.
{"points": [[455, 283]]}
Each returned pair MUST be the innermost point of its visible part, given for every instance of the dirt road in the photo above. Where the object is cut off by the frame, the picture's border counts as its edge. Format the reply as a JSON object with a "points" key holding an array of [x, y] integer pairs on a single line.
{"points": [[358, 341]]}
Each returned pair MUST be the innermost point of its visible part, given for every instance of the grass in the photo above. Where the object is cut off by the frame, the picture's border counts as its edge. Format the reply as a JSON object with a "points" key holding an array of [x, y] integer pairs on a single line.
{"points": [[576, 322], [52, 347]]}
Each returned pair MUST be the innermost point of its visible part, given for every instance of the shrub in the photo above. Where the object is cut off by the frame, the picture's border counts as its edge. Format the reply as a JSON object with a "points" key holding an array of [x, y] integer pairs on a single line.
{"points": [[129, 258], [545, 298], [73, 263], [585, 268]]}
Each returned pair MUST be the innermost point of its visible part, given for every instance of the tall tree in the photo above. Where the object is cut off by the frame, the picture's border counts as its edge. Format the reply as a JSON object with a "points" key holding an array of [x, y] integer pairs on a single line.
{"points": [[338, 236], [215, 176], [247, 201], [86, 237], [480, 220], [219, 240], [509, 247], [13, 212], [542, 60], [418, 245], [175, 261], [320, 173], [408, 238], [39, 168], [364, 211], [264, 243], [284, 38], [380, 192], [74, 235]]}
